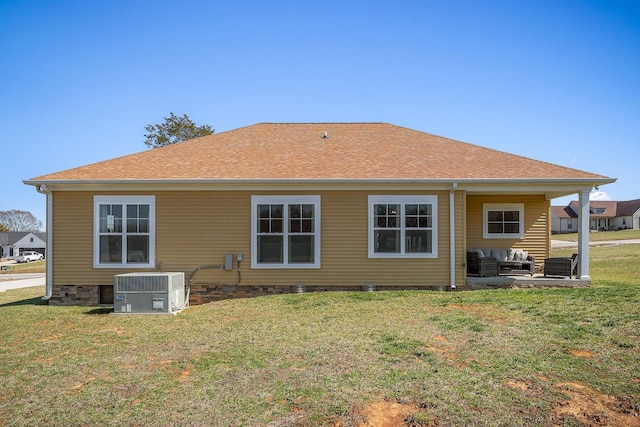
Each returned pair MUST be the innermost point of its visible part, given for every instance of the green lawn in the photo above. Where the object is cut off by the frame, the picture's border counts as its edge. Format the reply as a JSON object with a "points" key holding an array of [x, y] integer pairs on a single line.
{"points": [[567, 357], [27, 267]]}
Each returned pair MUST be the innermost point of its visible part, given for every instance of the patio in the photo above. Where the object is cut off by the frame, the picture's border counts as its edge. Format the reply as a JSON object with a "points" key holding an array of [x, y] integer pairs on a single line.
{"points": [[524, 281]]}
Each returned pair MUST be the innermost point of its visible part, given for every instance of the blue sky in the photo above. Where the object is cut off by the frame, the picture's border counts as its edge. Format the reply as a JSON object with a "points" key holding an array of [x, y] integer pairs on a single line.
{"points": [[557, 81]]}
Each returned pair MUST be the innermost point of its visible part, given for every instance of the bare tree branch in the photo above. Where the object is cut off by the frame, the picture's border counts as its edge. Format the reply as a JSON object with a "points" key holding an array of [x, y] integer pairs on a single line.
{"points": [[15, 220]]}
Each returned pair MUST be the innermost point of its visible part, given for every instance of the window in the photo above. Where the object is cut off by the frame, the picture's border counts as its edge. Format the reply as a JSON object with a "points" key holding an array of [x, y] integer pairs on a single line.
{"points": [[503, 220], [569, 224], [403, 226], [124, 231], [285, 231]]}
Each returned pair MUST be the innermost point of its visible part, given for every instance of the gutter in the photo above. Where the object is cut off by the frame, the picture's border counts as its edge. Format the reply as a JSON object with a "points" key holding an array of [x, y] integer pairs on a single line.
{"points": [[550, 187], [452, 235], [252, 181], [42, 189]]}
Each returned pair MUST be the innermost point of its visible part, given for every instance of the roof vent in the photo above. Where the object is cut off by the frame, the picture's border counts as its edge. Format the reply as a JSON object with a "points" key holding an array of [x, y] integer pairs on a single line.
{"points": [[325, 136]]}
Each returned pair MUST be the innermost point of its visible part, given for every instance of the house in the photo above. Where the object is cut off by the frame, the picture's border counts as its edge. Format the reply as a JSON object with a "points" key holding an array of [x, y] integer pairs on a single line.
{"points": [[273, 207], [603, 216], [628, 215], [12, 243], [563, 220]]}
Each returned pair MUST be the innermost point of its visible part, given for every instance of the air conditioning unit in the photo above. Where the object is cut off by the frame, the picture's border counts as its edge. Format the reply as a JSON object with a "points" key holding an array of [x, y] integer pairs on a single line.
{"points": [[155, 293]]}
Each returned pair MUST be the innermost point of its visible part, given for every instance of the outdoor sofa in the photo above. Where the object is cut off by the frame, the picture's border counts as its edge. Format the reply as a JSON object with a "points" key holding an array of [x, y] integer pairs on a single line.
{"points": [[485, 262]]}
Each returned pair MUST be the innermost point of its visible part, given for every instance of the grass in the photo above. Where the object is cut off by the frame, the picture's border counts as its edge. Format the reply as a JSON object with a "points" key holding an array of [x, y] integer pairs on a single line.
{"points": [[27, 267], [502, 357], [601, 235]]}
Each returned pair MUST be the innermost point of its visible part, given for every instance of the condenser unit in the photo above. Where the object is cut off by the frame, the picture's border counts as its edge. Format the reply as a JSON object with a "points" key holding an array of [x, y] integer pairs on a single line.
{"points": [[159, 293]]}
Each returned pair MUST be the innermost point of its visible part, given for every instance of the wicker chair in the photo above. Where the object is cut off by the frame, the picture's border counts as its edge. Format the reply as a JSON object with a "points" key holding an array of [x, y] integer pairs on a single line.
{"points": [[561, 266], [481, 266]]}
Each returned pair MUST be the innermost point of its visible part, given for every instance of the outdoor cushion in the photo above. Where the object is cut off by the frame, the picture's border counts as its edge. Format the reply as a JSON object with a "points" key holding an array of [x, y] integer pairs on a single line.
{"points": [[480, 252], [500, 255], [518, 255]]}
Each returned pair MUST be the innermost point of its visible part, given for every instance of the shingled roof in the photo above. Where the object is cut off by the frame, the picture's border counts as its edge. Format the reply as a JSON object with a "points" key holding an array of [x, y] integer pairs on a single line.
{"points": [[318, 151], [628, 208], [563, 212]]}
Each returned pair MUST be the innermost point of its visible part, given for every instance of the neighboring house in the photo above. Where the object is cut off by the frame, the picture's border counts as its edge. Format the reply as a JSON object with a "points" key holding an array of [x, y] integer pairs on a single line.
{"points": [[563, 220], [628, 215], [321, 206], [603, 216], [14, 242]]}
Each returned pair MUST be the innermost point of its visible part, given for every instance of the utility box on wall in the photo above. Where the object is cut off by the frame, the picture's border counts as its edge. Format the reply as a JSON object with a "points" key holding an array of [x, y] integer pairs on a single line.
{"points": [[151, 293]]}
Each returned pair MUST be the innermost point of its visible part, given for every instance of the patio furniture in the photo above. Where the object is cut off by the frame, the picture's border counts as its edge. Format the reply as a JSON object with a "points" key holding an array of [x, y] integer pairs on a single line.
{"points": [[485, 262], [481, 266], [561, 266]]}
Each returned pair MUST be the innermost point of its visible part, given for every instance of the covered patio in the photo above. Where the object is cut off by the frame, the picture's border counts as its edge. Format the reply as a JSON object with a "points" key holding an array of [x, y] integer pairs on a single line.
{"points": [[579, 265]]}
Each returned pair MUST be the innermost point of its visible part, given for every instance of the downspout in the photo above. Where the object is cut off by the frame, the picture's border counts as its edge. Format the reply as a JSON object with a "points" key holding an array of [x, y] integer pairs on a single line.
{"points": [[42, 189], [452, 235]]}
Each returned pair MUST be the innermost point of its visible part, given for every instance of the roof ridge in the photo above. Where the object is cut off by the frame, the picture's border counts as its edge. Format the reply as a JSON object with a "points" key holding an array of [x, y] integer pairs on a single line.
{"points": [[322, 123]]}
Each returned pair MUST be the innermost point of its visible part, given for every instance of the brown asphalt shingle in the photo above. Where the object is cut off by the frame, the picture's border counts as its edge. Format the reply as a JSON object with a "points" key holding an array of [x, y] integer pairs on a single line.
{"points": [[299, 151]]}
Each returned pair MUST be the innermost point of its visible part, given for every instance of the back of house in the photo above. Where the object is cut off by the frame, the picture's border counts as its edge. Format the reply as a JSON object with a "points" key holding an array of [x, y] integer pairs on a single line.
{"points": [[285, 207]]}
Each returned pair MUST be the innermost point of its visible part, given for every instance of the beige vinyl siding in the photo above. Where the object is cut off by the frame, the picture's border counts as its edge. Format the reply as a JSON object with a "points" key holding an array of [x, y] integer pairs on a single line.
{"points": [[73, 241], [536, 225], [72, 251], [460, 201], [197, 228]]}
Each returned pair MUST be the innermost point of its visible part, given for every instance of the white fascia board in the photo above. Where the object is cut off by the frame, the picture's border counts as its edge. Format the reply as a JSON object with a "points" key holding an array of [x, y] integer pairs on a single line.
{"points": [[562, 186]]}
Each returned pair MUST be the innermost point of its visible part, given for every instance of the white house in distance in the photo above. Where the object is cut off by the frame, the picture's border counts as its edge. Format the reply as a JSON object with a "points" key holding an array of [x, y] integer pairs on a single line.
{"points": [[14, 242], [603, 216]]}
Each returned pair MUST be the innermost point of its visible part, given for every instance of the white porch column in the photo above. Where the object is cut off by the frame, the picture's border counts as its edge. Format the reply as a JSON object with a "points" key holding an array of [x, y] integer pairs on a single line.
{"points": [[583, 235]]}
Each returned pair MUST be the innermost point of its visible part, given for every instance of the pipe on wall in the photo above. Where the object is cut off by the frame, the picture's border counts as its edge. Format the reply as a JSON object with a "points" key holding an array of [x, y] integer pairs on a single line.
{"points": [[42, 189], [452, 235]]}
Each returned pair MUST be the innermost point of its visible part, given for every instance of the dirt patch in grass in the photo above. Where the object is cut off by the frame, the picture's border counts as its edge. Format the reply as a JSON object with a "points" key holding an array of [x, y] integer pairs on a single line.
{"points": [[395, 414], [590, 407], [582, 353], [517, 384]]}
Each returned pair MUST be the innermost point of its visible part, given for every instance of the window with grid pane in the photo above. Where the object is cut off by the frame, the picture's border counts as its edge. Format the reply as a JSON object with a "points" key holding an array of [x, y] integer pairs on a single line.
{"points": [[503, 220], [124, 231], [285, 231], [402, 226]]}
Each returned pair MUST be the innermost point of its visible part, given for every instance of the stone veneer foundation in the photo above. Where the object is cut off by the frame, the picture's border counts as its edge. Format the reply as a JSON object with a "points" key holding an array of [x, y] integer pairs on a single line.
{"points": [[75, 295], [202, 294]]}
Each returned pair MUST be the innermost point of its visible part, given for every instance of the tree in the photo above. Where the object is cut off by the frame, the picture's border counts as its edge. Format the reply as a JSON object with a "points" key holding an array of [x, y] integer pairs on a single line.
{"points": [[174, 129], [15, 220]]}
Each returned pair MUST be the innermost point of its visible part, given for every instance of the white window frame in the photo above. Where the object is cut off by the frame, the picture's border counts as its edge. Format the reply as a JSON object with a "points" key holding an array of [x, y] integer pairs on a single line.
{"points": [[124, 201], [487, 207], [403, 201], [286, 201]]}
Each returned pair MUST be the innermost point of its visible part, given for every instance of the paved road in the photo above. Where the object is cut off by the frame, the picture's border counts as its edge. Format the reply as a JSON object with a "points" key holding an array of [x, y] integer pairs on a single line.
{"points": [[17, 281], [574, 244]]}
